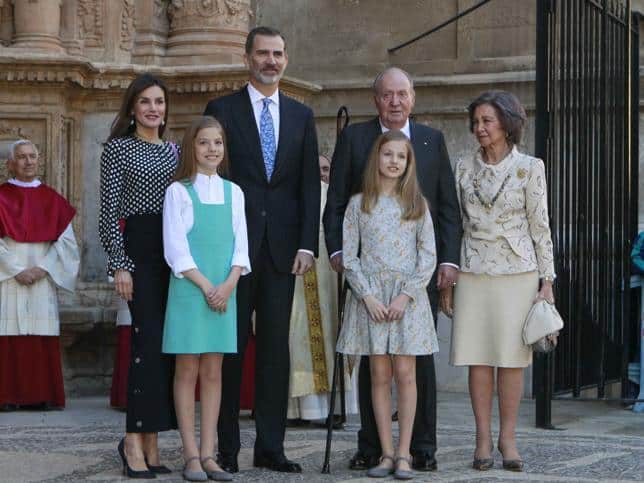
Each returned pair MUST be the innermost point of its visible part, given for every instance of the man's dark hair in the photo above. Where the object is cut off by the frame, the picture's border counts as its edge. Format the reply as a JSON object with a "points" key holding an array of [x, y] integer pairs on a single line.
{"points": [[266, 31]]}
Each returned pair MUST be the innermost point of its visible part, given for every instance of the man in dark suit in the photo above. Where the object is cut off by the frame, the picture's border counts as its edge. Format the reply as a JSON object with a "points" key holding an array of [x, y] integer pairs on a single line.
{"points": [[272, 147], [394, 99]]}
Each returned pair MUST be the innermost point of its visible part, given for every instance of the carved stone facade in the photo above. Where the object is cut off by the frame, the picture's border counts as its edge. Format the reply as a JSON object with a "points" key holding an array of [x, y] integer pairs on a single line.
{"points": [[64, 66], [211, 31]]}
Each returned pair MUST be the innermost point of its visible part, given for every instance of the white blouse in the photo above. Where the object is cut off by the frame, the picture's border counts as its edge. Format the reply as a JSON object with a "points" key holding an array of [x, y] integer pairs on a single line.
{"points": [[178, 220]]}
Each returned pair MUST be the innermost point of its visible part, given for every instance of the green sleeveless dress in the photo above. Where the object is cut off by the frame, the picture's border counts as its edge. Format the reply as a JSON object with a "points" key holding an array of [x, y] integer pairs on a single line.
{"points": [[191, 326]]}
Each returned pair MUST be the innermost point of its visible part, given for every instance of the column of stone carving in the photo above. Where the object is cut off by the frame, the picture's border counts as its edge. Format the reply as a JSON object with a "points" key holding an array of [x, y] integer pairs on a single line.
{"points": [[37, 24], [70, 27], [151, 31], [207, 31], [6, 22], [128, 25], [90, 15]]}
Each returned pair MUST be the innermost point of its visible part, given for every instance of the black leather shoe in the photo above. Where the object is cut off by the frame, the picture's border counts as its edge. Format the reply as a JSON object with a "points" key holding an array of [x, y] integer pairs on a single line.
{"points": [[276, 463], [423, 462], [362, 462], [228, 462]]}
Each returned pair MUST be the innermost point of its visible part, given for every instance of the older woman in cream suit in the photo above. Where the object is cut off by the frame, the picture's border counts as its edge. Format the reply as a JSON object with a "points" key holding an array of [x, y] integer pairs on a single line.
{"points": [[506, 264]]}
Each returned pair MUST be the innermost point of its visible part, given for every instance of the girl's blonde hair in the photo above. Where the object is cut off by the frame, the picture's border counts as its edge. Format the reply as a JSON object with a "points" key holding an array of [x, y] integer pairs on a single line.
{"points": [[187, 169], [411, 199]]}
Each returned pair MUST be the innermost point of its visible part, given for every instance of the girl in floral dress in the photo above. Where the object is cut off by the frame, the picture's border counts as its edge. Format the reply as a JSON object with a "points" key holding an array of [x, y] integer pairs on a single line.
{"points": [[389, 257]]}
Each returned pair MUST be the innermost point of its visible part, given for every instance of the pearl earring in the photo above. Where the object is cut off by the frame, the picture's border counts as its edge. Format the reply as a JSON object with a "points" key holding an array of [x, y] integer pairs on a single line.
{"points": [[132, 122]]}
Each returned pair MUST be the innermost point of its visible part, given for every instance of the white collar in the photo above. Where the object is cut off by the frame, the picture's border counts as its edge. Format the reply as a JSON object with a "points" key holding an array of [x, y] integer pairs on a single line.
{"points": [[406, 130], [207, 179], [25, 184], [500, 167], [256, 96]]}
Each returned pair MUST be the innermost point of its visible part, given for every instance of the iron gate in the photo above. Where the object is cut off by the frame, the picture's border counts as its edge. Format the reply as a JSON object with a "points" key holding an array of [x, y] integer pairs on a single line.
{"points": [[586, 133]]}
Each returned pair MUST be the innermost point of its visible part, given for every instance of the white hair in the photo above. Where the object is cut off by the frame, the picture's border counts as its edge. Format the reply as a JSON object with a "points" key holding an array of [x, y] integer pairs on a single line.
{"points": [[20, 142]]}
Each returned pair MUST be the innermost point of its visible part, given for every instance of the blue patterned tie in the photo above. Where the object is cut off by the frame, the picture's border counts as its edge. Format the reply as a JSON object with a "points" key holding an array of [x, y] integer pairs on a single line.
{"points": [[267, 138]]}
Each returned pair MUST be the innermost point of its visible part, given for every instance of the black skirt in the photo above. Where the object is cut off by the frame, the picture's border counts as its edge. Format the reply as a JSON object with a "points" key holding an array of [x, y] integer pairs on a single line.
{"points": [[150, 405]]}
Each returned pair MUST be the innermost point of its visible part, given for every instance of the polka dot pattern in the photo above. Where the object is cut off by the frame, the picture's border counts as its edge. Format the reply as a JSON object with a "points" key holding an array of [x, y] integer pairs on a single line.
{"points": [[134, 177]]}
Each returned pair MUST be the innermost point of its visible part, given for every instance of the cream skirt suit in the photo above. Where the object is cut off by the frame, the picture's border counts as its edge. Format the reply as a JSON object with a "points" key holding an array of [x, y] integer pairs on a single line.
{"points": [[505, 250]]}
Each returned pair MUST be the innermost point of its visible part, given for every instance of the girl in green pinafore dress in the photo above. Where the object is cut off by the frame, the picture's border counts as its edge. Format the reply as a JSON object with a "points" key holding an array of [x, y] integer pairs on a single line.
{"points": [[205, 244]]}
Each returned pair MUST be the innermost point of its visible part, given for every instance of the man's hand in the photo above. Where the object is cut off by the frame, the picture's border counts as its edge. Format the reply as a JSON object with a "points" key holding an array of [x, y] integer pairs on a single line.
{"points": [[25, 277], [38, 273], [397, 307], [447, 301], [302, 264], [123, 284], [336, 263], [376, 308], [447, 276]]}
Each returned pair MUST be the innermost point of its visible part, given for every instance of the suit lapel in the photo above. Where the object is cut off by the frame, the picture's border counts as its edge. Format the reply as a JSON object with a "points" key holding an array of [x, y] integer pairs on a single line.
{"points": [[420, 143], [245, 120], [372, 134], [423, 151]]}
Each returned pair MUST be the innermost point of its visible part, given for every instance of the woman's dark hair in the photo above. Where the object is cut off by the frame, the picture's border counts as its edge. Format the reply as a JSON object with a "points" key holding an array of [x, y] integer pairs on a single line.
{"points": [[122, 125], [508, 109]]}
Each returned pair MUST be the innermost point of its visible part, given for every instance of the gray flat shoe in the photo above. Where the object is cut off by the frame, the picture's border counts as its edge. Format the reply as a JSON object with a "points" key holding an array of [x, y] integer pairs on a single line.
{"points": [[190, 475], [381, 471], [216, 475], [401, 474]]}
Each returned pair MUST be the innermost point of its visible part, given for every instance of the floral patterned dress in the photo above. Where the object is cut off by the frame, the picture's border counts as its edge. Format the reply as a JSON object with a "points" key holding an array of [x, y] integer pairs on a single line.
{"points": [[385, 256]]}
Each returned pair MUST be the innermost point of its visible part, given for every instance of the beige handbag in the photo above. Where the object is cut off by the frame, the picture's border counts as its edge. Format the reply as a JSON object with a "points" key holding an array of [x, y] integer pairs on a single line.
{"points": [[542, 326]]}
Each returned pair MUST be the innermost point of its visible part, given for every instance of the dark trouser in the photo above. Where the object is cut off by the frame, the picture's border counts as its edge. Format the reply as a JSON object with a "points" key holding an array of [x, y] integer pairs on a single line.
{"points": [[150, 405], [270, 294], [423, 440]]}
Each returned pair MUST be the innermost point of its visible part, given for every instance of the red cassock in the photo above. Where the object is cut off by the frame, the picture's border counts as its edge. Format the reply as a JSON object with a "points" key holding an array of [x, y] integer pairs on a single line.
{"points": [[30, 365]]}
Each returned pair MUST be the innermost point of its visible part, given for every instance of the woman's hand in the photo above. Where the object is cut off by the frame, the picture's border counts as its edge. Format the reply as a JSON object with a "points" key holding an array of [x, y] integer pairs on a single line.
{"points": [[376, 308], [208, 290], [546, 293], [219, 296], [397, 307], [447, 301], [123, 284]]}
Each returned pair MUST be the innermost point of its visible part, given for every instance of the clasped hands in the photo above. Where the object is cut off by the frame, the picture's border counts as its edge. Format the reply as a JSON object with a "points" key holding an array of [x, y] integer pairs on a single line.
{"points": [[30, 276], [217, 295], [380, 313]]}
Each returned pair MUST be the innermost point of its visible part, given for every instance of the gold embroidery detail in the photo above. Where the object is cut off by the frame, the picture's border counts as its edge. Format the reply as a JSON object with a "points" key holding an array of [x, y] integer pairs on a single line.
{"points": [[521, 173], [316, 336]]}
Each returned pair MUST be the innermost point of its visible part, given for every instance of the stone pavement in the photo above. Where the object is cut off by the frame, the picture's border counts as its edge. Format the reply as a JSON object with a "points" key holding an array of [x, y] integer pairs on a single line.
{"points": [[601, 442]]}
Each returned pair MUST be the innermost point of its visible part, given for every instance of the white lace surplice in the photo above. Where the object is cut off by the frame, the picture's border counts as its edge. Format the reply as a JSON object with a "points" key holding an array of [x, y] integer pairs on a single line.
{"points": [[33, 310]]}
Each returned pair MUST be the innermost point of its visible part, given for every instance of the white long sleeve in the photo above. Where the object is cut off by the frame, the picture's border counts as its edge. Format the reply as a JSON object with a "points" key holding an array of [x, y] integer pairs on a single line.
{"points": [[178, 220], [62, 260]]}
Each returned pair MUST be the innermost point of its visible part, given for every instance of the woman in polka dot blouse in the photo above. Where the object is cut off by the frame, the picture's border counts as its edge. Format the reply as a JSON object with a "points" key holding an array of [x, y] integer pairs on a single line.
{"points": [[136, 168]]}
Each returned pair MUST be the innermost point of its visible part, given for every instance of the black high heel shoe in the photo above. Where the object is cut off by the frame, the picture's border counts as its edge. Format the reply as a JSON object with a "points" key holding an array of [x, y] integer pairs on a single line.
{"points": [[159, 469], [129, 472]]}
